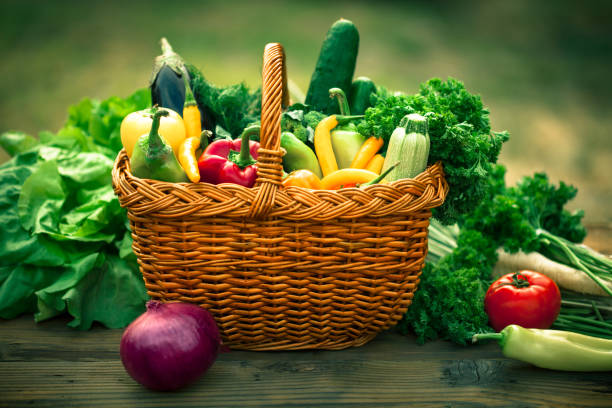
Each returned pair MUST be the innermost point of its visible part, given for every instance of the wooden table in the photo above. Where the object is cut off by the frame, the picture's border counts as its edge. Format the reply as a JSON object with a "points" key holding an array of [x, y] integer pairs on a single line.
{"points": [[51, 365]]}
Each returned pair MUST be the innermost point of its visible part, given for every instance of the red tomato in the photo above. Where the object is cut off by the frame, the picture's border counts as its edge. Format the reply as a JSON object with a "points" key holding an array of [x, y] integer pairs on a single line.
{"points": [[528, 299]]}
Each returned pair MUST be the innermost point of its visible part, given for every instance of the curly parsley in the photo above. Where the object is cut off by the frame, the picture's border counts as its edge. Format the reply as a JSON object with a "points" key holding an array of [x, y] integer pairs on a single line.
{"points": [[530, 217], [460, 133]]}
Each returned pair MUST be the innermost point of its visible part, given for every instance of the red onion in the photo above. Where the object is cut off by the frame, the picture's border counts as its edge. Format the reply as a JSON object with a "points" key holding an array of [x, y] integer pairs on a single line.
{"points": [[170, 345]]}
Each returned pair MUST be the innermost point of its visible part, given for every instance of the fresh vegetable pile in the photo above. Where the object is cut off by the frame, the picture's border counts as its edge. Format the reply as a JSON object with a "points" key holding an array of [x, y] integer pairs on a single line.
{"points": [[66, 246], [460, 136], [442, 122], [515, 228]]}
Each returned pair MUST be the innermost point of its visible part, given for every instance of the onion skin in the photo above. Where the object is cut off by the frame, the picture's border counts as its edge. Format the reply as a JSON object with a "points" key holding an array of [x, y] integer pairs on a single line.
{"points": [[170, 345]]}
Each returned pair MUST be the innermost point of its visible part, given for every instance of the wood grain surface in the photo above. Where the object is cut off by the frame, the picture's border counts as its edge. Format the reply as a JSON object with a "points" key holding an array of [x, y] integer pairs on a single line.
{"points": [[51, 365]]}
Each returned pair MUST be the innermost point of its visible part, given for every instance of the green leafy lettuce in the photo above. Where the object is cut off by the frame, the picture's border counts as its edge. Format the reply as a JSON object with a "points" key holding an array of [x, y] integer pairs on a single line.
{"points": [[64, 242]]}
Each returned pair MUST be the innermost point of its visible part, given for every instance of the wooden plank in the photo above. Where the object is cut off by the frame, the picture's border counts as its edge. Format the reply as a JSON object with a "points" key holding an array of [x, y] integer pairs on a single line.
{"points": [[306, 383], [26, 341], [51, 365]]}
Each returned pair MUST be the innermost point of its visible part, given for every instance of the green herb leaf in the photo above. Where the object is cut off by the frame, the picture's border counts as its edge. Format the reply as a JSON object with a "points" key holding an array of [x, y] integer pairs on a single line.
{"points": [[460, 134]]}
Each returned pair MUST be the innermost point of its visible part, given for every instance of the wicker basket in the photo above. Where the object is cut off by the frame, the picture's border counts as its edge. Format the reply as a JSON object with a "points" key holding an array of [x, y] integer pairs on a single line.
{"points": [[283, 268]]}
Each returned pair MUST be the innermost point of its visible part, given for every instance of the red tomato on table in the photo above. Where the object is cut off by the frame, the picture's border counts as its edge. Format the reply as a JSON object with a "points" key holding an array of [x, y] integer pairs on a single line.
{"points": [[526, 298]]}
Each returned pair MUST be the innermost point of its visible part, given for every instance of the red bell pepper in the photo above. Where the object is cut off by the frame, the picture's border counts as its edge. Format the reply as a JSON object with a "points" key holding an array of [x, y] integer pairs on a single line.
{"points": [[226, 161]]}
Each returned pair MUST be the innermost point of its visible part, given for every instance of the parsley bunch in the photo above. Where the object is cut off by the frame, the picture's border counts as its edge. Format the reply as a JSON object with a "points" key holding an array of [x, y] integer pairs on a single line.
{"points": [[460, 134], [530, 217], [515, 217], [449, 302]]}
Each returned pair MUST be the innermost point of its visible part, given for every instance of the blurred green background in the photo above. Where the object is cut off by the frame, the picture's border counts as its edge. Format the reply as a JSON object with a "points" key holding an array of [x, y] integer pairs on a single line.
{"points": [[542, 68]]}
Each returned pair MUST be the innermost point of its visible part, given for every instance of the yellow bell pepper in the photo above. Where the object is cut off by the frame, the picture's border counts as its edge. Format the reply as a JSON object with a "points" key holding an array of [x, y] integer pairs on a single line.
{"points": [[135, 124]]}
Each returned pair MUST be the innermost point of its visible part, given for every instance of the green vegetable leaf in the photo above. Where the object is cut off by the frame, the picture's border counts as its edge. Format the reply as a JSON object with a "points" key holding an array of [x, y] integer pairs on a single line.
{"points": [[222, 133], [313, 118], [42, 196], [64, 242], [293, 122], [449, 302], [543, 205], [125, 246], [233, 107], [15, 242], [90, 221], [511, 216], [18, 288], [17, 142], [87, 169], [98, 295], [48, 301]]}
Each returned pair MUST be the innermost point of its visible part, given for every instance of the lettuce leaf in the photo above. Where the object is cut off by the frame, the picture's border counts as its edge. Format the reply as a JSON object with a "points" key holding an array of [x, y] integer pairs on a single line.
{"points": [[65, 246]]}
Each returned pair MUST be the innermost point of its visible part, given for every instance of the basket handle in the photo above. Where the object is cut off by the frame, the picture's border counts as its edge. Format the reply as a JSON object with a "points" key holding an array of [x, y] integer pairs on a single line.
{"points": [[270, 156]]}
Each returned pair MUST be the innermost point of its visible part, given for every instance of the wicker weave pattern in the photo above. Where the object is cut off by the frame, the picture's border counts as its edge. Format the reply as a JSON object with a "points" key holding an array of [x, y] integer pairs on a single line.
{"points": [[283, 268]]}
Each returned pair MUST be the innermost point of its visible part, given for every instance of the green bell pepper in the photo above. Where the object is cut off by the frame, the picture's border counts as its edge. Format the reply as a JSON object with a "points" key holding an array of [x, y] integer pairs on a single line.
{"points": [[346, 140], [153, 158], [553, 349]]}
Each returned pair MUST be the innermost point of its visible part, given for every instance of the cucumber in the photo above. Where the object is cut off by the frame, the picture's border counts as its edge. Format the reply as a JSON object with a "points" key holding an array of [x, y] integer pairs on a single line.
{"points": [[359, 98], [335, 66]]}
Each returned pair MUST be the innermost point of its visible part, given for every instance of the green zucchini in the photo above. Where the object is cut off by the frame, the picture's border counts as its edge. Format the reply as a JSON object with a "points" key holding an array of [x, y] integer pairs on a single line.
{"points": [[359, 98], [409, 147], [335, 66]]}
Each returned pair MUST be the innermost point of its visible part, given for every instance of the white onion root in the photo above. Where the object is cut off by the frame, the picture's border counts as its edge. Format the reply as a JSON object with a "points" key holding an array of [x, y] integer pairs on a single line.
{"points": [[564, 276]]}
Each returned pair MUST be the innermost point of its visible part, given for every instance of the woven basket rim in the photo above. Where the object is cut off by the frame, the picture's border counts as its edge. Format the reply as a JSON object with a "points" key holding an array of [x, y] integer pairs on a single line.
{"points": [[154, 198]]}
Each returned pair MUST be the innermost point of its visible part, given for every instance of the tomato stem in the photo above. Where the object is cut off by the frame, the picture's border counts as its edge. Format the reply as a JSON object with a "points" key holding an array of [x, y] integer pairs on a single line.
{"points": [[516, 282]]}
